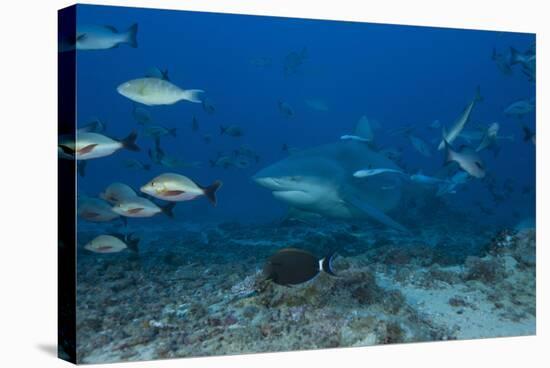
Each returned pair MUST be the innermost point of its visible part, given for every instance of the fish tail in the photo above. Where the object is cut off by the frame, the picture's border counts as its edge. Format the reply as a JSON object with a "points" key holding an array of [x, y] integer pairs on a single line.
{"points": [[514, 56], [168, 209], [130, 142], [132, 243], [132, 35], [443, 138], [527, 134], [222, 129], [210, 191], [81, 168], [478, 97], [193, 95], [326, 263], [449, 153]]}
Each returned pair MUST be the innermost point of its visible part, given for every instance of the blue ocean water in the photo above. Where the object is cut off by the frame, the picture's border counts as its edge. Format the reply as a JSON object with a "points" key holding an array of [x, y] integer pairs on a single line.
{"points": [[397, 76]]}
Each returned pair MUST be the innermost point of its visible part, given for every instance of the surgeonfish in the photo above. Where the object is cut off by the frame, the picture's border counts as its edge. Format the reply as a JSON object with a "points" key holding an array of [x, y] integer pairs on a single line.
{"points": [[291, 266]]}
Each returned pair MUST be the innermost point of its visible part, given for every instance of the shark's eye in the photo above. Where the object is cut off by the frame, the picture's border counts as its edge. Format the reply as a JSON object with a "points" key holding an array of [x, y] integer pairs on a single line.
{"points": [[152, 183]]}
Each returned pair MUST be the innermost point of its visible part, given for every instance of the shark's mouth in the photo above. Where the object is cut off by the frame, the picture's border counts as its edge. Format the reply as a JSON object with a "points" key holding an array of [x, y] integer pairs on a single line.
{"points": [[295, 197], [271, 183]]}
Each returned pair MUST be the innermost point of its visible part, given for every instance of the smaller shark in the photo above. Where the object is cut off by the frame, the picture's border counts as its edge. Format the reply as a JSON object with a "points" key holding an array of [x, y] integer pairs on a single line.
{"points": [[452, 134]]}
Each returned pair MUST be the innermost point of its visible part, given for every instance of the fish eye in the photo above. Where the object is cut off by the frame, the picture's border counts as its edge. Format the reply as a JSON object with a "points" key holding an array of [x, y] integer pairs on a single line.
{"points": [[152, 183]]}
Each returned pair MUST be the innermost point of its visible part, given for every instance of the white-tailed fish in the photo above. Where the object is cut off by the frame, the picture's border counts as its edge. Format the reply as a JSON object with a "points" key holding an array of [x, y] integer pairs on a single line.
{"points": [[155, 91]]}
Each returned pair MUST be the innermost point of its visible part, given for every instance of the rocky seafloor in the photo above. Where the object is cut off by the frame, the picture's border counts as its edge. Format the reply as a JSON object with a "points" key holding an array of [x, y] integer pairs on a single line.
{"points": [[199, 291]]}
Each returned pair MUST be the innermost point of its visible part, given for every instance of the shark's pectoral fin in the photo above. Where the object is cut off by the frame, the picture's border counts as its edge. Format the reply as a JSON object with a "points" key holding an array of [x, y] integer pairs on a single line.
{"points": [[375, 213]]}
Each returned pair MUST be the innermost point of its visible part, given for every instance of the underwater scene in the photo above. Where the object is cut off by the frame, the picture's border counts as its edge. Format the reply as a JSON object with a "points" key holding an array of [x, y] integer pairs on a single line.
{"points": [[258, 184]]}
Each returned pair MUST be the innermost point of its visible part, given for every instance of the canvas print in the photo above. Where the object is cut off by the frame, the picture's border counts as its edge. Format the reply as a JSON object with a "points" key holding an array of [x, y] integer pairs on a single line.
{"points": [[248, 184]]}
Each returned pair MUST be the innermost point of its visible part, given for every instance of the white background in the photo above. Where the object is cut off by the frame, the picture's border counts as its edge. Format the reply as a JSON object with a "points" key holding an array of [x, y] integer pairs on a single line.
{"points": [[28, 180]]}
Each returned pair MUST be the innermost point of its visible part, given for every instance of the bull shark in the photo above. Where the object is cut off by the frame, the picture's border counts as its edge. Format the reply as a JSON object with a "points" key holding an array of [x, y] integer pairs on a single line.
{"points": [[320, 180]]}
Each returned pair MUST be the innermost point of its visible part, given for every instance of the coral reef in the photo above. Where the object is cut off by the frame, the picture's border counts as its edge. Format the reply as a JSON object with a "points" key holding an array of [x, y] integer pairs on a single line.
{"points": [[201, 291]]}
